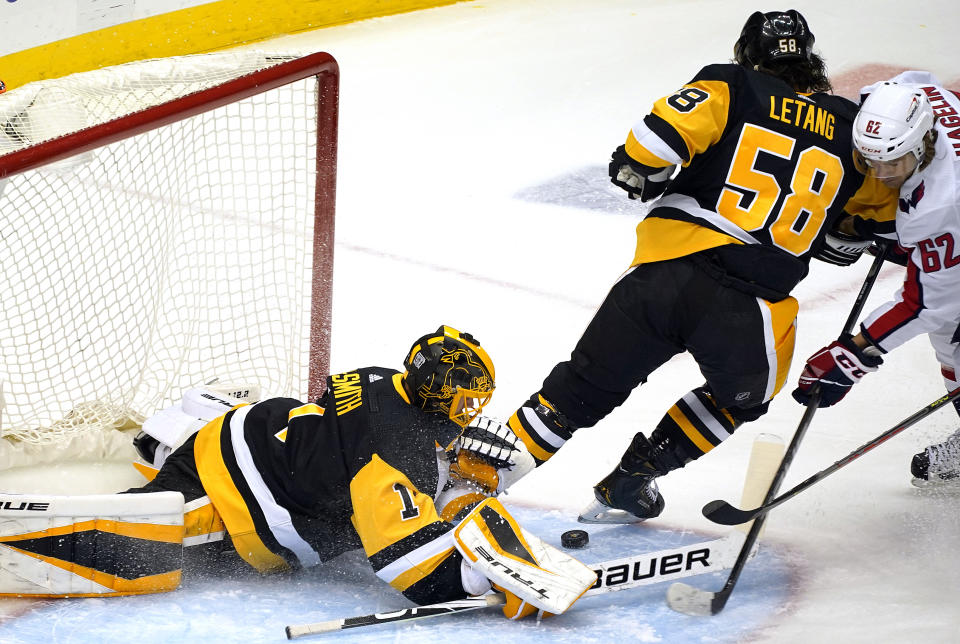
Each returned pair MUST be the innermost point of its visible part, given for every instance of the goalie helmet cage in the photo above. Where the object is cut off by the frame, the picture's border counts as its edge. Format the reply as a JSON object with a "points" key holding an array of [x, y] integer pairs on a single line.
{"points": [[163, 224]]}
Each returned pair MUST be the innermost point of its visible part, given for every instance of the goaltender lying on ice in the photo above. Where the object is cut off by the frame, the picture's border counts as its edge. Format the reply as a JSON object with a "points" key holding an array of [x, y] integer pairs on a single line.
{"points": [[438, 539], [383, 461]]}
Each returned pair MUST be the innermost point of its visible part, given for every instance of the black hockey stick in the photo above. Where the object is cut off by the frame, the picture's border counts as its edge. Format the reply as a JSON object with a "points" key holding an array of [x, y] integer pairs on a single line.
{"points": [[406, 614], [691, 600], [723, 513], [613, 575]]}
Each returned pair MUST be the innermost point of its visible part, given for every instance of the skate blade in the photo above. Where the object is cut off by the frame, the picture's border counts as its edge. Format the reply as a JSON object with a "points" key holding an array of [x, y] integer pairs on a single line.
{"points": [[937, 484], [597, 512]]}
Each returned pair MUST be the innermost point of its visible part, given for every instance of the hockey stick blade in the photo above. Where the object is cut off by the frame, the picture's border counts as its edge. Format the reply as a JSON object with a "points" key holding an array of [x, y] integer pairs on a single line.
{"points": [[691, 600], [719, 511]]}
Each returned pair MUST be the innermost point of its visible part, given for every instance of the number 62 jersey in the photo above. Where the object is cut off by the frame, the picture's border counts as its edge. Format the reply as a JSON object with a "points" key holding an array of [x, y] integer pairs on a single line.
{"points": [[928, 224], [765, 174]]}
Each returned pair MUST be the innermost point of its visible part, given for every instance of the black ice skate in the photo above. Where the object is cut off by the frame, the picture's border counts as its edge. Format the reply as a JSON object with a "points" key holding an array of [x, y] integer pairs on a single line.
{"points": [[629, 493], [624, 497], [938, 464]]}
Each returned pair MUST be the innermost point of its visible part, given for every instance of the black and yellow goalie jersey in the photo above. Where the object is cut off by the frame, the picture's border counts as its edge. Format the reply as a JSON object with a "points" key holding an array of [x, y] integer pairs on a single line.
{"points": [[297, 484], [765, 174]]}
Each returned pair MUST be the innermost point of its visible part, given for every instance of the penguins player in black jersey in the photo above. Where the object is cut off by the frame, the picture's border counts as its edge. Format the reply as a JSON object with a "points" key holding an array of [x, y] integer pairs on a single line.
{"points": [[750, 172]]}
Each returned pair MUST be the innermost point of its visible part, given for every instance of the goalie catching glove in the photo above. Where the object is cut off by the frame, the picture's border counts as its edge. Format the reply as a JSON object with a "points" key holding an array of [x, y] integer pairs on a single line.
{"points": [[533, 574], [491, 455], [836, 368]]}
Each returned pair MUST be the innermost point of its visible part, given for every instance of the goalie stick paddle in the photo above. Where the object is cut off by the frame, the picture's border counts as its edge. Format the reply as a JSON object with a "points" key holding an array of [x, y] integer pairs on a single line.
{"points": [[725, 514], [690, 600], [612, 575]]}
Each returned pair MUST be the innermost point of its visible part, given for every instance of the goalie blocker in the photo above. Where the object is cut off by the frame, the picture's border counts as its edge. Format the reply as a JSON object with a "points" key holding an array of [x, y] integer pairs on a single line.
{"points": [[90, 546]]}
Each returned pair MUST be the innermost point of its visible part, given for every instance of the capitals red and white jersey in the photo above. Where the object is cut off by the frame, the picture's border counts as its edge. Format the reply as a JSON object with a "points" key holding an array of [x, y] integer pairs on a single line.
{"points": [[928, 223]]}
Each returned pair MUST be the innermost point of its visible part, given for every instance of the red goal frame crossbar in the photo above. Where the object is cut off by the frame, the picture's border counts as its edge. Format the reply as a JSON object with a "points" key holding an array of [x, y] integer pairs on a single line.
{"points": [[321, 65]]}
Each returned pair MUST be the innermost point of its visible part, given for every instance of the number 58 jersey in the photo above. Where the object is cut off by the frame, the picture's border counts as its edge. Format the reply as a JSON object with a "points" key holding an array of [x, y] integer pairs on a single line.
{"points": [[765, 174]]}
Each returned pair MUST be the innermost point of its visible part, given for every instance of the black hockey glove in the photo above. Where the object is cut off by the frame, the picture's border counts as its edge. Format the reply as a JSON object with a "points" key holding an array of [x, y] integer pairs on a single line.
{"points": [[836, 367], [841, 249], [640, 181]]}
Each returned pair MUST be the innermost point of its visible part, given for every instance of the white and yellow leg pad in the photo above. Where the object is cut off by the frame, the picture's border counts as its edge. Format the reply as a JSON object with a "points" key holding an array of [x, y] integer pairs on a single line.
{"points": [[493, 543], [90, 546]]}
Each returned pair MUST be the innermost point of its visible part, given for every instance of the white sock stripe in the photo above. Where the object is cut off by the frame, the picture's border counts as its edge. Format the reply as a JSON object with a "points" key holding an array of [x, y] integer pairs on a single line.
{"points": [[278, 518], [415, 558], [542, 430], [705, 416]]}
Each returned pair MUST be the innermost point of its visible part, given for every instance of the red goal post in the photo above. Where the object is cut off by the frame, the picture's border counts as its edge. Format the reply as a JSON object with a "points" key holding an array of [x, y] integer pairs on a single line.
{"points": [[163, 224]]}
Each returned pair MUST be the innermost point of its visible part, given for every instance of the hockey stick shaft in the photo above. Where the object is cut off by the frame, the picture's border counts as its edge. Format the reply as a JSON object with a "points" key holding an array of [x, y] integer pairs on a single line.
{"points": [[719, 600], [725, 514], [612, 575], [407, 614], [694, 601]]}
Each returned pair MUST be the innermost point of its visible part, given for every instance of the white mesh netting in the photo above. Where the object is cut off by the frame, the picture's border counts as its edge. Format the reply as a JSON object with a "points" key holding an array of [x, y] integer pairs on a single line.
{"points": [[173, 258]]}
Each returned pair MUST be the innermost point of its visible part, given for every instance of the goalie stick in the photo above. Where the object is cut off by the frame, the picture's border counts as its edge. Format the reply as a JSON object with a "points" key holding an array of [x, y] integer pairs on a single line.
{"points": [[617, 574], [691, 600], [721, 512], [612, 575]]}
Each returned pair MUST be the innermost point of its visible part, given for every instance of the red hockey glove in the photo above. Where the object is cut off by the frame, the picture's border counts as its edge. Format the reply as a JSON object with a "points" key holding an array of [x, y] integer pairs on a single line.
{"points": [[836, 368]]}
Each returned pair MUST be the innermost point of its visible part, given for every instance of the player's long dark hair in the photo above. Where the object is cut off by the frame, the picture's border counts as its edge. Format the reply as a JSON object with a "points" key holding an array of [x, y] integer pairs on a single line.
{"points": [[803, 76]]}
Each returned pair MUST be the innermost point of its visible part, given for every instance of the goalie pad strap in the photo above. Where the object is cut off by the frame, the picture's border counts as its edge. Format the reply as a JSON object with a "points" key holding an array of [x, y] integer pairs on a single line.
{"points": [[51, 547], [492, 542]]}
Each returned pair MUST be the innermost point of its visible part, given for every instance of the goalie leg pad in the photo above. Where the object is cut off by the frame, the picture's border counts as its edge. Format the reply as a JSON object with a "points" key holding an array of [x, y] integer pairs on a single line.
{"points": [[492, 543], [172, 426], [90, 546]]}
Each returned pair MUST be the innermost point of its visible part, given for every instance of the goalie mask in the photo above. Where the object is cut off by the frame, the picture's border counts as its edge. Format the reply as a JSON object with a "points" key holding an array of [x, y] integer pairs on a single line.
{"points": [[773, 36], [449, 372]]}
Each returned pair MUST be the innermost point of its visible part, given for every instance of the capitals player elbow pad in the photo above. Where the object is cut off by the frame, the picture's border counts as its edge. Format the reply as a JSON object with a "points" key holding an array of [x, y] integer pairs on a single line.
{"points": [[493, 544], [90, 546]]}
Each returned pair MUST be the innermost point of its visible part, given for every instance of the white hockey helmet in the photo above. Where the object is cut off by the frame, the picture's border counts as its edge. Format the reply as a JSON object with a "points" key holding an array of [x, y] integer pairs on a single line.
{"points": [[892, 123]]}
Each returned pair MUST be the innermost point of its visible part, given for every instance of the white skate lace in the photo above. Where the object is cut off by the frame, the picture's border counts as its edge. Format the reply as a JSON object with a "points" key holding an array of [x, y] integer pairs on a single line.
{"points": [[651, 491], [944, 458]]}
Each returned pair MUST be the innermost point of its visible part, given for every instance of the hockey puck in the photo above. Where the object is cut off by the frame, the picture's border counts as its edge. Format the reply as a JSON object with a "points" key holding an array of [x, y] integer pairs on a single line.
{"points": [[574, 539]]}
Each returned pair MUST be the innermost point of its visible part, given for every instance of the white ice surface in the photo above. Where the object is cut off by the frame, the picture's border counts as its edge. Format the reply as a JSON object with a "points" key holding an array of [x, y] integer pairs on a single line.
{"points": [[463, 132]]}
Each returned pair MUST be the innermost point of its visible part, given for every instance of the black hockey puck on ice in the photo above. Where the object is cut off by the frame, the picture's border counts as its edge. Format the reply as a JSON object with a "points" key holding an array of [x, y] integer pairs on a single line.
{"points": [[574, 539]]}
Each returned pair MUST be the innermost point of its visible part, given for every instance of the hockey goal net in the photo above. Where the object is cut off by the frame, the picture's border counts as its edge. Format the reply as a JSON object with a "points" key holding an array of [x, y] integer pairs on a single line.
{"points": [[163, 224]]}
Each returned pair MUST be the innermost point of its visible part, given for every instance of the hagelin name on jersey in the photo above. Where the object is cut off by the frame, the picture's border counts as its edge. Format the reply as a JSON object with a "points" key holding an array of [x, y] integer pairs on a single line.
{"points": [[346, 391], [802, 114]]}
